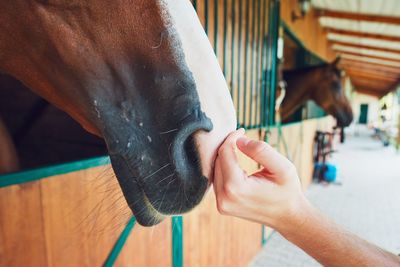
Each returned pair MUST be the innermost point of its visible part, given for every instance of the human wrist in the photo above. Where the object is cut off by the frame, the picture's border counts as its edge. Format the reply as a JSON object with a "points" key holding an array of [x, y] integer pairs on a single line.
{"points": [[296, 217]]}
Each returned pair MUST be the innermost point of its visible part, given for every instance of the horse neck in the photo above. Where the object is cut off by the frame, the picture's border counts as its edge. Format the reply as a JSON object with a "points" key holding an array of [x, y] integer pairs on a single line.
{"points": [[299, 89]]}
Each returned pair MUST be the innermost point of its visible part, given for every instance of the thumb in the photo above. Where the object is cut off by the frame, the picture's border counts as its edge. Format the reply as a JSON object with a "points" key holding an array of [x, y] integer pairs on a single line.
{"points": [[264, 154]]}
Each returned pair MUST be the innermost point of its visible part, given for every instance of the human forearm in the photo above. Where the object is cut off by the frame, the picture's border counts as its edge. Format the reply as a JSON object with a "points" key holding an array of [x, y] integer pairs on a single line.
{"points": [[330, 244]]}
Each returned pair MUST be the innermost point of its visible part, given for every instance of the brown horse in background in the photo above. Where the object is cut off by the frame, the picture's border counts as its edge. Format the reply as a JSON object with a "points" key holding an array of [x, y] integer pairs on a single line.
{"points": [[323, 85], [142, 75]]}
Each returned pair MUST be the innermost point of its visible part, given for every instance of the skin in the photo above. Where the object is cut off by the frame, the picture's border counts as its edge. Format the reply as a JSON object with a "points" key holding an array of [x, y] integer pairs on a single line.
{"points": [[322, 85], [140, 74], [273, 196]]}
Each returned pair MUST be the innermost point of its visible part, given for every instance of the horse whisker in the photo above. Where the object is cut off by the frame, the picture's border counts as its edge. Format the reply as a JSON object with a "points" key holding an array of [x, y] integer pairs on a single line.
{"points": [[170, 131], [163, 167]]}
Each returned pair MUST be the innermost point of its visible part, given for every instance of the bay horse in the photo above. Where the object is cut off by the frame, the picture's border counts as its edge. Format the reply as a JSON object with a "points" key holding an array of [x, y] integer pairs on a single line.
{"points": [[322, 84], [142, 75]]}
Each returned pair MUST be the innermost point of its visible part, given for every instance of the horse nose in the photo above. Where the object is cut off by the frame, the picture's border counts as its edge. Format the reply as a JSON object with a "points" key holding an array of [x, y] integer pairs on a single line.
{"points": [[185, 156]]}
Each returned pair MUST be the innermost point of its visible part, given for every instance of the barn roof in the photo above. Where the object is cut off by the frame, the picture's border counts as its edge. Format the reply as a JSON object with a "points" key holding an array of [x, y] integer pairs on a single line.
{"points": [[366, 34]]}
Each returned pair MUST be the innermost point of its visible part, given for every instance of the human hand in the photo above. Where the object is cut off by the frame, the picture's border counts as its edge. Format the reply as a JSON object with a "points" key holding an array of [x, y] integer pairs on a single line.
{"points": [[272, 196]]}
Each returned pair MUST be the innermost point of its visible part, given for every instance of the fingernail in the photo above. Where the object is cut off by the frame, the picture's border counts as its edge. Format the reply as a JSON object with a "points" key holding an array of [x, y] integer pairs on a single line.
{"points": [[241, 130], [243, 140]]}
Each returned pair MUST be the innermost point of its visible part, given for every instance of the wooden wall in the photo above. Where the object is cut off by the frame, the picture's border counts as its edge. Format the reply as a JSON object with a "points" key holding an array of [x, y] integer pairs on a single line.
{"points": [[308, 30], [74, 219]]}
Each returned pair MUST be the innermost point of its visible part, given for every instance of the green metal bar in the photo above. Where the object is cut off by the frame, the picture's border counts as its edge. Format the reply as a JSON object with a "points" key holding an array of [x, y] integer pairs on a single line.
{"points": [[272, 72], [216, 27], [225, 35], [263, 239], [177, 241], [246, 55], [41, 173], [239, 82], [119, 245], [259, 62], [233, 22], [195, 4], [252, 60]]}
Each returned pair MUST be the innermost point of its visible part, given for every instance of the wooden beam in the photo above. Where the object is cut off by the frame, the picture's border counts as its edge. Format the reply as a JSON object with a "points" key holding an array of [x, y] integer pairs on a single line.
{"points": [[370, 75], [373, 65], [378, 86], [357, 16], [364, 35], [362, 65], [360, 46], [369, 92], [364, 55]]}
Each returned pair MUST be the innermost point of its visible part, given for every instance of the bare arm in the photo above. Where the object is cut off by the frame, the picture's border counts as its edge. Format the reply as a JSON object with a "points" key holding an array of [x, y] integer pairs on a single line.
{"points": [[273, 196]]}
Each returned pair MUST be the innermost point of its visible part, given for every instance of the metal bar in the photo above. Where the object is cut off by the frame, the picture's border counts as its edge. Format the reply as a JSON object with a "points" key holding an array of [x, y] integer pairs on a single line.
{"points": [[42, 173], [265, 60], [233, 28], [225, 35], [119, 245], [258, 63], [195, 4], [252, 61], [216, 27], [177, 241], [246, 55], [274, 51], [239, 82]]}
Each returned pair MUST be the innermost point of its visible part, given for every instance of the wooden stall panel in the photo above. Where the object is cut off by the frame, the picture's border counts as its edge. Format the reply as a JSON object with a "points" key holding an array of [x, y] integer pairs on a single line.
{"points": [[22, 240], [84, 213], [237, 30], [211, 239], [149, 247]]}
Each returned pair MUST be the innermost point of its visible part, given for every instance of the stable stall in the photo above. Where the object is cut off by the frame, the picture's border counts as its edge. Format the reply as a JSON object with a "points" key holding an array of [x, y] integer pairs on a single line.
{"points": [[68, 210]]}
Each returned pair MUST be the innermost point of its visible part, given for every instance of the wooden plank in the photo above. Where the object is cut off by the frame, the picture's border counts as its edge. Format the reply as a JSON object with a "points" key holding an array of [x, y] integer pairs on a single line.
{"points": [[84, 213], [373, 83], [148, 246], [370, 92], [347, 62], [362, 54], [211, 239], [357, 16], [22, 239], [370, 47], [370, 75], [308, 30], [364, 34]]}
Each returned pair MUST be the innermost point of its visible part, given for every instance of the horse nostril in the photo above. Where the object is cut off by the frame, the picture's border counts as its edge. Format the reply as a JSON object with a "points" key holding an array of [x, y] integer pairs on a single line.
{"points": [[184, 152]]}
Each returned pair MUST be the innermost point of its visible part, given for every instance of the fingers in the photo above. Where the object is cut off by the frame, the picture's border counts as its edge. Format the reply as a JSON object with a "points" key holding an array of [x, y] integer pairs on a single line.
{"points": [[218, 178], [273, 162], [227, 159]]}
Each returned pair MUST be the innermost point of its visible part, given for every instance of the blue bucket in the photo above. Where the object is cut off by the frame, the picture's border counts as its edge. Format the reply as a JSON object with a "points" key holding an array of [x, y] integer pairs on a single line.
{"points": [[329, 172]]}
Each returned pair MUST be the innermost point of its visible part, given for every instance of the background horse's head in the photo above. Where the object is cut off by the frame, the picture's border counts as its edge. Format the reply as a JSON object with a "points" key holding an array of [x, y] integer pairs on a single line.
{"points": [[330, 95], [323, 85], [140, 74]]}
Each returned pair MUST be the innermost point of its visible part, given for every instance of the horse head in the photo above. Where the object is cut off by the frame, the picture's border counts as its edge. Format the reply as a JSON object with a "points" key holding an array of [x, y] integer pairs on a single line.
{"points": [[140, 74], [330, 96]]}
